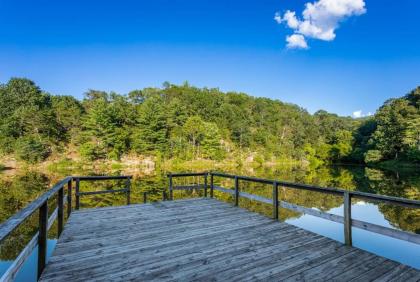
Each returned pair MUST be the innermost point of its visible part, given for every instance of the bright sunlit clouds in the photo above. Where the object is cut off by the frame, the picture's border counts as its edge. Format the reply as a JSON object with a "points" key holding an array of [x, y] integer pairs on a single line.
{"points": [[360, 114], [320, 20]]}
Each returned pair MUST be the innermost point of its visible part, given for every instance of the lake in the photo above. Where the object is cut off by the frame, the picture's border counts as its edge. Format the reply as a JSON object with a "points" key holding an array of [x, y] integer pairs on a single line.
{"points": [[18, 188]]}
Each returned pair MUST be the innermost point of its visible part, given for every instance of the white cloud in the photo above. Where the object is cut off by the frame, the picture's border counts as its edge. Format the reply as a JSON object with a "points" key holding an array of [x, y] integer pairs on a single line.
{"points": [[277, 18], [296, 41], [291, 20], [360, 114], [320, 19], [357, 114]]}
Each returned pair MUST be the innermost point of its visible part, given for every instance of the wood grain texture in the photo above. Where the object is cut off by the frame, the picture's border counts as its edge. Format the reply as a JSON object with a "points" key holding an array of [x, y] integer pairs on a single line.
{"points": [[203, 239]]}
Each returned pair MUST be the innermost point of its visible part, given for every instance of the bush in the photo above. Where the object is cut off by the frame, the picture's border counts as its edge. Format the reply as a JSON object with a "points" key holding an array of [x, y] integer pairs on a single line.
{"points": [[31, 150], [259, 160], [6, 145], [88, 151], [413, 155], [373, 156]]}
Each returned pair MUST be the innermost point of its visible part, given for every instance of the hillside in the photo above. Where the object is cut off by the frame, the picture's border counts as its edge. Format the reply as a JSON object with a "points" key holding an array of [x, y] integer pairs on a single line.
{"points": [[184, 122]]}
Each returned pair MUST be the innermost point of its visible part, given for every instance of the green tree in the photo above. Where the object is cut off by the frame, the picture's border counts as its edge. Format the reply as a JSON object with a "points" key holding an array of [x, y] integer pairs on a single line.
{"points": [[107, 123], [194, 130], [27, 120], [391, 119], [31, 150], [211, 143], [151, 131], [373, 156]]}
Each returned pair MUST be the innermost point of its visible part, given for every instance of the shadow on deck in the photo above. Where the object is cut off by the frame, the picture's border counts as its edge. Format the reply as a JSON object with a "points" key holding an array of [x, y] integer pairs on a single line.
{"points": [[204, 239]]}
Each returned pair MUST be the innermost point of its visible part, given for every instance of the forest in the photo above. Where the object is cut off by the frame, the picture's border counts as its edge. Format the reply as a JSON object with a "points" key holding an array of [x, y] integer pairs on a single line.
{"points": [[189, 123]]}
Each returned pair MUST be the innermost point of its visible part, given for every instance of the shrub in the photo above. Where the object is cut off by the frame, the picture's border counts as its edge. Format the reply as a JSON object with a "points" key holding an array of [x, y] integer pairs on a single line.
{"points": [[373, 156], [88, 151], [31, 150], [6, 145], [413, 154]]}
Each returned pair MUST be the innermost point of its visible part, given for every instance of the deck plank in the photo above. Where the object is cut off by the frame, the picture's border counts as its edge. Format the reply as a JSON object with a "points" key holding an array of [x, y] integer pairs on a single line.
{"points": [[204, 239]]}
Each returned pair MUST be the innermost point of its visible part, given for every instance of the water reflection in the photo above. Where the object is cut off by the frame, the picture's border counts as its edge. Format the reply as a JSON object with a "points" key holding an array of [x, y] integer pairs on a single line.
{"points": [[402, 251], [17, 190]]}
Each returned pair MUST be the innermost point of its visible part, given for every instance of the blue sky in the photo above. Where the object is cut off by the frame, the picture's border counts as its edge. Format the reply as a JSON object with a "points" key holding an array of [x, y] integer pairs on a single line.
{"points": [[68, 47]]}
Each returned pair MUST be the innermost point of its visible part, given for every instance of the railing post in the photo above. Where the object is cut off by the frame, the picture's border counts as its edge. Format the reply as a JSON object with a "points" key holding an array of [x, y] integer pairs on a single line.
{"points": [[60, 212], [163, 195], [211, 185], [69, 196], [128, 187], [205, 185], [171, 192], [144, 197], [275, 200], [236, 191], [77, 193], [347, 219], [42, 237]]}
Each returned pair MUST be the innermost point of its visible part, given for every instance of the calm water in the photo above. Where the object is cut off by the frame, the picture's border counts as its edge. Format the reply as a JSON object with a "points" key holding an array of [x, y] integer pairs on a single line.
{"points": [[19, 188]]}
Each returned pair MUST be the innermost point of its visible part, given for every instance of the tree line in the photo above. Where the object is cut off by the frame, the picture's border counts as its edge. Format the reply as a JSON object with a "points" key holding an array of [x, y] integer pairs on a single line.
{"points": [[186, 122]]}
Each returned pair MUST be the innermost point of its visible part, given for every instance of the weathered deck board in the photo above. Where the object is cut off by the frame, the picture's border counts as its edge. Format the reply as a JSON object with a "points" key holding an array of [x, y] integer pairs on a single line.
{"points": [[204, 239]]}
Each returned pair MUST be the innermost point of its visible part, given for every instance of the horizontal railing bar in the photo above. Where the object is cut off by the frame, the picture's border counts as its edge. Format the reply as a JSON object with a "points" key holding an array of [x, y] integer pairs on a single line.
{"points": [[297, 208], [185, 174], [245, 178], [18, 218], [17, 264], [386, 231], [333, 191], [330, 190], [188, 187], [355, 194], [229, 191], [256, 198], [102, 192], [313, 212], [257, 180], [223, 175], [283, 183], [101, 177], [388, 199]]}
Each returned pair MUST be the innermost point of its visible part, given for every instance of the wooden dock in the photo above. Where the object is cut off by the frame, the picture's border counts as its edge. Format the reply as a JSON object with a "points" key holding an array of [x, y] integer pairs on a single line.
{"points": [[204, 239]]}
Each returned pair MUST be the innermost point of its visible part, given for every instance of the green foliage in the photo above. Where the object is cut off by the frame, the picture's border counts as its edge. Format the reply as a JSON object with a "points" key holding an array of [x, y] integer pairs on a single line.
{"points": [[106, 124], [89, 151], [393, 133], [211, 143], [6, 145], [31, 149], [185, 122], [68, 113], [373, 156], [151, 133]]}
